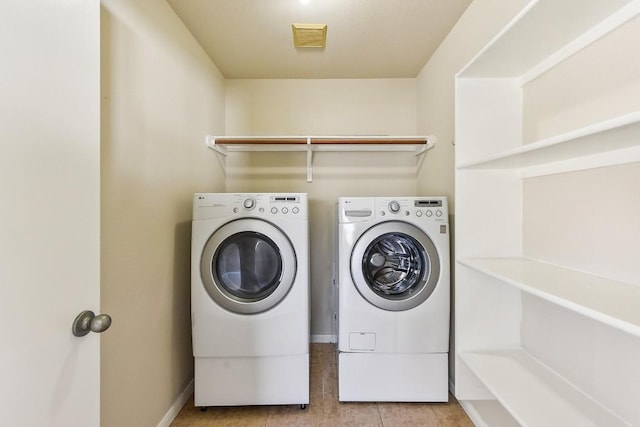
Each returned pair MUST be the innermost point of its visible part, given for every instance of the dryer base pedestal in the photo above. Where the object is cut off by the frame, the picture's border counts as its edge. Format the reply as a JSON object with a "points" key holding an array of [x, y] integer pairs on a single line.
{"points": [[237, 381], [383, 377]]}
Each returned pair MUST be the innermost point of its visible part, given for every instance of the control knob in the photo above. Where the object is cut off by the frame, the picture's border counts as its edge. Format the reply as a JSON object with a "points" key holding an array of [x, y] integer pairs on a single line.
{"points": [[394, 206], [249, 203]]}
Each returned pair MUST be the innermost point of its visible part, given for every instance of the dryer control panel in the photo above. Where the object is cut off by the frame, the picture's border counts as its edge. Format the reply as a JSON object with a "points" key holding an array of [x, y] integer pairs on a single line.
{"points": [[264, 205]]}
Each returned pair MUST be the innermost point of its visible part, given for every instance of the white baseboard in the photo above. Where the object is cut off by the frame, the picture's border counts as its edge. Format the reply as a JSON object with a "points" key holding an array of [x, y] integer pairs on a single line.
{"points": [[174, 410], [323, 339]]}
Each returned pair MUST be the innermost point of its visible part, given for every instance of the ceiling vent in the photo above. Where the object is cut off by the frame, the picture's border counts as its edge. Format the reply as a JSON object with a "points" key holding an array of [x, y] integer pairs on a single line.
{"points": [[310, 35]]}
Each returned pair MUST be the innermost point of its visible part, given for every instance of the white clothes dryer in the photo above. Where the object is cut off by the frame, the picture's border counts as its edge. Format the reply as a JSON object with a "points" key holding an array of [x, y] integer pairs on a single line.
{"points": [[250, 299], [393, 278]]}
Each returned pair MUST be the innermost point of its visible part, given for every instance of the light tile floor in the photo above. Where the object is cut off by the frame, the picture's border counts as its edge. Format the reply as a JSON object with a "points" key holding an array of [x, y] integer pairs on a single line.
{"points": [[324, 410]]}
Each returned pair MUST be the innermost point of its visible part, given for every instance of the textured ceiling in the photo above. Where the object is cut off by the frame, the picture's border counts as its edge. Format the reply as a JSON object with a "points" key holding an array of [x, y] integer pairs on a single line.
{"points": [[365, 38]]}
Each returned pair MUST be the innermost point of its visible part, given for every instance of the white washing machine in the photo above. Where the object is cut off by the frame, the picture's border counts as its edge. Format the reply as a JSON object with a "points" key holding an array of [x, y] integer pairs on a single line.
{"points": [[393, 299], [250, 299]]}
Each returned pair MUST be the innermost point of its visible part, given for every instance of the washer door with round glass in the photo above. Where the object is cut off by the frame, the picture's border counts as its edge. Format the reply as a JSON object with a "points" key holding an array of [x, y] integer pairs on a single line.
{"points": [[248, 266], [395, 266]]}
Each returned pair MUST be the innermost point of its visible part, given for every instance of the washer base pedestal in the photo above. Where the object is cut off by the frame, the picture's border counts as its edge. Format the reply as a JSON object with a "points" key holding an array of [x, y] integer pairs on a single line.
{"points": [[384, 377], [238, 381]]}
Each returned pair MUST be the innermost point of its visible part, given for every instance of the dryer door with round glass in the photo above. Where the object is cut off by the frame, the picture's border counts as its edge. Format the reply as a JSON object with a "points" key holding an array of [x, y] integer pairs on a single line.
{"points": [[248, 266], [395, 266]]}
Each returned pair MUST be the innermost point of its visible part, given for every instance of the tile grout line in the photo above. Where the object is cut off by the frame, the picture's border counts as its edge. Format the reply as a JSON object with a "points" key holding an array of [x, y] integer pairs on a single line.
{"points": [[379, 414]]}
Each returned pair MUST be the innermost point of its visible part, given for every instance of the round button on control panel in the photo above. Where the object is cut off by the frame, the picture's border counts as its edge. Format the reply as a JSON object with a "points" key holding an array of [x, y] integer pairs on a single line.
{"points": [[249, 203], [394, 206]]}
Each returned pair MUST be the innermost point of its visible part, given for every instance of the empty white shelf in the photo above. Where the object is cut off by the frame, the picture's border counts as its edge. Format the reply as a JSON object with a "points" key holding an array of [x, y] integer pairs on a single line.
{"points": [[615, 134], [520, 49], [535, 395], [614, 303]]}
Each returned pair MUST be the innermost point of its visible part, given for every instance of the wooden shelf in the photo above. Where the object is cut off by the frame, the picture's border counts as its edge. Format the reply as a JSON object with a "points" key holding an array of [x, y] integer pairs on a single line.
{"points": [[237, 141], [615, 134], [611, 302], [535, 395], [418, 141], [418, 145]]}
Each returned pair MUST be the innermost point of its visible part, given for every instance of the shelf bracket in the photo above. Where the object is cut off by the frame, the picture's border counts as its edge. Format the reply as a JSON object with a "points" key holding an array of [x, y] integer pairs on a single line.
{"points": [[220, 150], [420, 154], [211, 143], [309, 160]]}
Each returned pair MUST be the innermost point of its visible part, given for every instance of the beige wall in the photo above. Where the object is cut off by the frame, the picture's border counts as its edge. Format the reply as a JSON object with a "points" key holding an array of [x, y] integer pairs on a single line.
{"points": [[322, 107], [435, 88], [160, 96]]}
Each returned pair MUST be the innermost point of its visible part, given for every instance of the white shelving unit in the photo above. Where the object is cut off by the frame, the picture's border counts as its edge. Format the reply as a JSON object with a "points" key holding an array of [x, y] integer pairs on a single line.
{"points": [[612, 135], [608, 301], [419, 145], [518, 380], [501, 351]]}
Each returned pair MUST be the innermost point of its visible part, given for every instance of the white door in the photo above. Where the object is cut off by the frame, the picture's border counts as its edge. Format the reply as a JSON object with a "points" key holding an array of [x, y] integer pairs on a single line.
{"points": [[49, 211]]}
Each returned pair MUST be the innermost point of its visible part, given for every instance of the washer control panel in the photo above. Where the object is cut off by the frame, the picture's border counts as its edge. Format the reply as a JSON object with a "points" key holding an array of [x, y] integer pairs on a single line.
{"points": [[215, 205], [362, 209], [426, 208]]}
